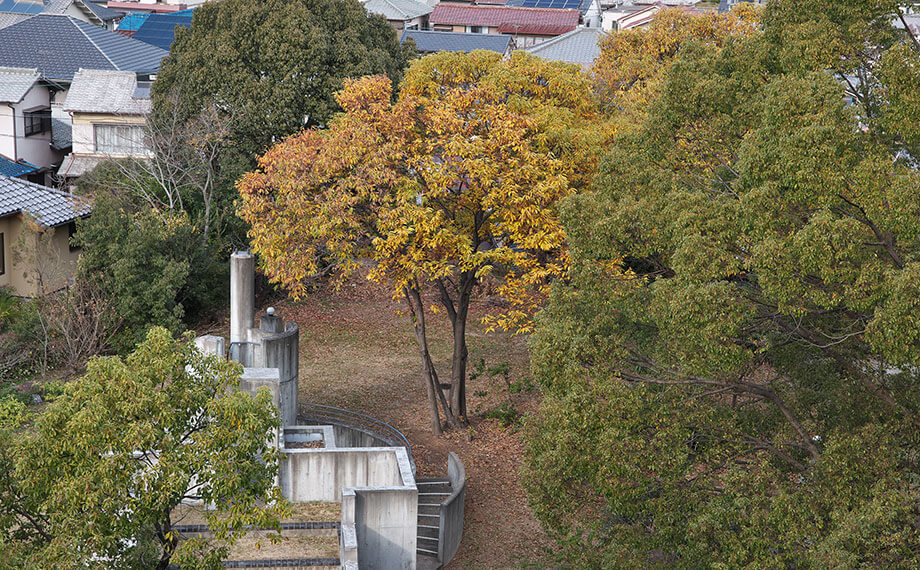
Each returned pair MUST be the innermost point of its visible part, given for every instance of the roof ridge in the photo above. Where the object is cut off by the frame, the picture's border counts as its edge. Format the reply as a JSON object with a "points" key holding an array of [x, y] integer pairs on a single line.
{"points": [[397, 8], [74, 21]]}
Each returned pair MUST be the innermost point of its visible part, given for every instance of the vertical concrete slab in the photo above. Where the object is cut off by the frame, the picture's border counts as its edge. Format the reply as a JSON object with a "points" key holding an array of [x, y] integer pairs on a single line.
{"points": [[242, 301]]}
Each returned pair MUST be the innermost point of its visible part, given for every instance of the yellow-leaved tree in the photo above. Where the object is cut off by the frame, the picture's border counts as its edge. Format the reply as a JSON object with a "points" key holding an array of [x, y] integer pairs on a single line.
{"points": [[459, 178], [633, 63]]}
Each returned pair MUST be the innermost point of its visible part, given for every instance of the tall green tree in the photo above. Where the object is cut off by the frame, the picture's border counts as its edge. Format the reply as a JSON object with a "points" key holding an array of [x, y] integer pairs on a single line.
{"points": [[731, 376], [96, 480], [270, 68], [149, 263]]}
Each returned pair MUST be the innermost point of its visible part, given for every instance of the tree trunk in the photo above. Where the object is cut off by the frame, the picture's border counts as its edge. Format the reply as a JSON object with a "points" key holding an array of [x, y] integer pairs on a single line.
{"points": [[429, 372], [459, 312]]}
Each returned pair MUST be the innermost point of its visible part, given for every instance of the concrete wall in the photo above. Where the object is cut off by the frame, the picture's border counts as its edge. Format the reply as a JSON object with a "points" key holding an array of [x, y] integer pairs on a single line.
{"points": [[451, 522], [386, 538], [379, 524], [321, 474], [279, 350]]}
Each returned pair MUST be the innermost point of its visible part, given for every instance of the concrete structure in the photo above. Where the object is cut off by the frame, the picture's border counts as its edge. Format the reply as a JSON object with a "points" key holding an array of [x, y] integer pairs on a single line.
{"points": [[369, 470]]}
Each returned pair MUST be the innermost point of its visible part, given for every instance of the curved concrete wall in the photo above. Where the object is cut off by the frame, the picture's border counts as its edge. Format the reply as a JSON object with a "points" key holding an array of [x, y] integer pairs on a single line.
{"points": [[279, 350], [451, 524]]}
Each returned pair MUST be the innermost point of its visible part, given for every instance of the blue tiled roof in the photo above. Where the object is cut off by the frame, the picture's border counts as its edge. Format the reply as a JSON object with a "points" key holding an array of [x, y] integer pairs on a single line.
{"points": [[429, 42], [160, 29], [13, 169], [60, 45]]}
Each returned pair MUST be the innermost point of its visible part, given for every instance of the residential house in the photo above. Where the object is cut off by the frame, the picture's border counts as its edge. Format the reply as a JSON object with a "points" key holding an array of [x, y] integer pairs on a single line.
{"points": [[56, 47], [640, 13], [590, 9], [528, 26], [25, 124], [29, 264], [109, 111], [580, 46], [432, 42], [15, 11], [401, 14], [130, 7]]}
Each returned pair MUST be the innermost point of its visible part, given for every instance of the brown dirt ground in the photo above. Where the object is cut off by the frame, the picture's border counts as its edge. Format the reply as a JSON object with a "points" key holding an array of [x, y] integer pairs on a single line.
{"points": [[357, 351]]}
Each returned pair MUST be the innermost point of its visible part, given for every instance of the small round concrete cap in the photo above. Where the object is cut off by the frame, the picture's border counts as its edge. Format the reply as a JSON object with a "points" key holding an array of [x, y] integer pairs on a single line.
{"points": [[270, 311]]}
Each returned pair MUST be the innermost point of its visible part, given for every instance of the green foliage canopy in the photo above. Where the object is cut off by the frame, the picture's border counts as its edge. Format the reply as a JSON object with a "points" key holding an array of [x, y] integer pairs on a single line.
{"points": [[150, 262], [272, 66], [731, 375], [107, 462]]}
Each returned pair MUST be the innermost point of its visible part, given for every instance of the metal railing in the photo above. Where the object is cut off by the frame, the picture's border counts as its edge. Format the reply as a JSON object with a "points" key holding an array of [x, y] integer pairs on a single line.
{"points": [[320, 414]]}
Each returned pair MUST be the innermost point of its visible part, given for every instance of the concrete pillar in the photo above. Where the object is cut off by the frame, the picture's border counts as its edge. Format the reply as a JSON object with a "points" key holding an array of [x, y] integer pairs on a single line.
{"points": [[242, 299]]}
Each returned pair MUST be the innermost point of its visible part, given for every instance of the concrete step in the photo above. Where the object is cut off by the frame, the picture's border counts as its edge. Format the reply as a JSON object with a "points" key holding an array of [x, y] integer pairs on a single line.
{"points": [[432, 481], [429, 508], [428, 531]]}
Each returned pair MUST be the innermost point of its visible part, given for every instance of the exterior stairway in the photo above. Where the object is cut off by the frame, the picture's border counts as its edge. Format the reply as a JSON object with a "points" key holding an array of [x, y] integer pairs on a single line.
{"points": [[431, 492]]}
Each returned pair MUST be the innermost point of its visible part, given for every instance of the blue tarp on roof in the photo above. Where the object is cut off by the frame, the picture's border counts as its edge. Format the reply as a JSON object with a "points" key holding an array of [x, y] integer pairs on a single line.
{"points": [[160, 29], [13, 169], [131, 22]]}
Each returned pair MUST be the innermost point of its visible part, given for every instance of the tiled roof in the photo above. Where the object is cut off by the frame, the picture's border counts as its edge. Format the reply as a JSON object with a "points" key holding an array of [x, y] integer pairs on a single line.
{"points": [[15, 82], [101, 11], [60, 45], [48, 206], [12, 168], [401, 10], [508, 19], [8, 19], [103, 91], [61, 133], [160, 29], [428, 42], [578, 46]]}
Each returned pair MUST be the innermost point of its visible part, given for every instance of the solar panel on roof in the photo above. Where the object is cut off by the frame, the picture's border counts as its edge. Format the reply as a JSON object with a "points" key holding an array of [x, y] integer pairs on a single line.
{"points": [[558, 4], [16, 7]]}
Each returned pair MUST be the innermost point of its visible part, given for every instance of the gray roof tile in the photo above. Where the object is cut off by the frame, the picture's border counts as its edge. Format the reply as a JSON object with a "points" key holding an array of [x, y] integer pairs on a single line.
{"points": [[60, 45], [48, 206], [578, 46], [398, 9], [15, 82], [428, 42], [102, 91]]}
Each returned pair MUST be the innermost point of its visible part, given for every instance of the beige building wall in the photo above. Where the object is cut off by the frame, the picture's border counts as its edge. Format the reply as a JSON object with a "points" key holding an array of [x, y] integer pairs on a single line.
{"points": [[84, 139], [50, 263]]}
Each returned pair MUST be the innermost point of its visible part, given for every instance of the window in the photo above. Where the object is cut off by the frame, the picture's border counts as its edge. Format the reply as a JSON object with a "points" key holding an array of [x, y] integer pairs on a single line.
{"points": [[475, 29], [2, 257], [119, 139], [37, 121]]}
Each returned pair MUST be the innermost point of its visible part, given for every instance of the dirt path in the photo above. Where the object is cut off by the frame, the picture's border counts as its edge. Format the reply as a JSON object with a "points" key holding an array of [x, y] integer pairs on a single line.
{"points": [[358, 353]]}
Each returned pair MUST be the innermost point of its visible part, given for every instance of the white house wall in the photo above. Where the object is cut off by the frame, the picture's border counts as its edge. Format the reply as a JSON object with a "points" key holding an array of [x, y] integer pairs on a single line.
{"points": [[35, 149], [7, 134]]}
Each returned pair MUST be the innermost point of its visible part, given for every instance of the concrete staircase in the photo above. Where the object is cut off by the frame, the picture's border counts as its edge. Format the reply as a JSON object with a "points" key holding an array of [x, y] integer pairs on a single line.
{"points": [[431, 492]]}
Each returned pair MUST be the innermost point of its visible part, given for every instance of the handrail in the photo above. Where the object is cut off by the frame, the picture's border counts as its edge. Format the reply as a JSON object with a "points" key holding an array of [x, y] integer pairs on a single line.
{"points": [[322, 413]]}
